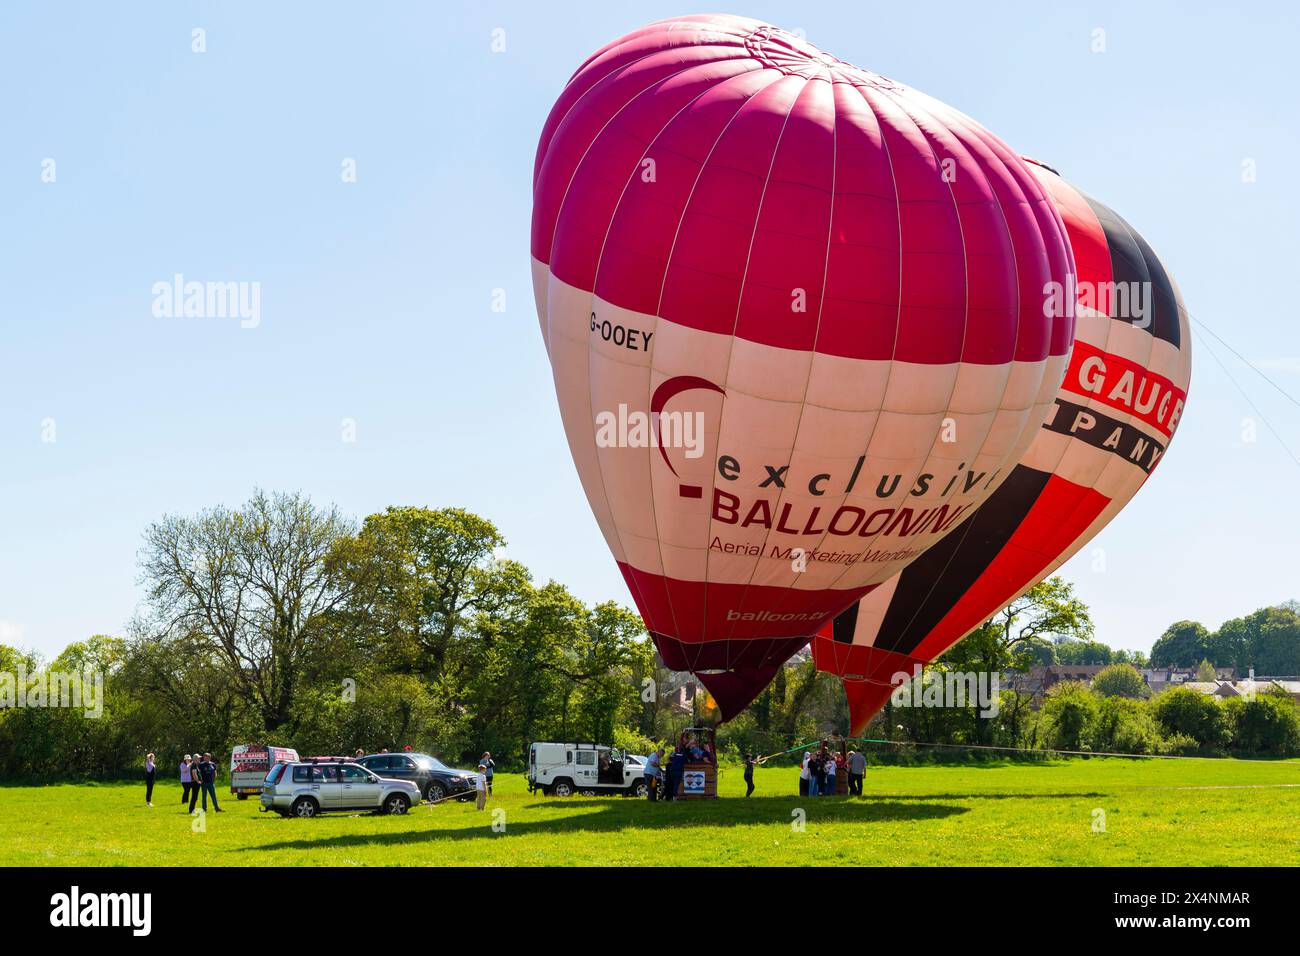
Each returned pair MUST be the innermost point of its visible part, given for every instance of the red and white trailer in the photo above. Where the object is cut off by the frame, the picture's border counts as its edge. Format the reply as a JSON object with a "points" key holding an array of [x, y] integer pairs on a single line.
{"points": [[250, 763]]}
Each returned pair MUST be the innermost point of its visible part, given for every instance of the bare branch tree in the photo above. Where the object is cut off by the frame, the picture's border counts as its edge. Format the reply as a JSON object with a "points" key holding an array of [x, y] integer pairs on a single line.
{"points": [[257, 583]]}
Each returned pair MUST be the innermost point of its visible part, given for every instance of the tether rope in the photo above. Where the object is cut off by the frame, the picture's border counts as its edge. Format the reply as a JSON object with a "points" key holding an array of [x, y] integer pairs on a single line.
{"points": [[1019, 750]]}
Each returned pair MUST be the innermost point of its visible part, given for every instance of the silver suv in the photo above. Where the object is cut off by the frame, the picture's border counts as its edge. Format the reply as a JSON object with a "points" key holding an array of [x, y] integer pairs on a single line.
{"points": [[306, 788]]}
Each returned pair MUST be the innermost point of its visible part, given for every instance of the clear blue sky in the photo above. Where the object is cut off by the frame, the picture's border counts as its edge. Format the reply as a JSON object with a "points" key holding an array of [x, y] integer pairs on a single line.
{"points": [[376, 296]]}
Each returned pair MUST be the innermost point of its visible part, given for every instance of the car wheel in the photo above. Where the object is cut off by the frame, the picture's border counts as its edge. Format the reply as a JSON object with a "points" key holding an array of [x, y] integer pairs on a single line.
{"points": [[562, 788], [436, 792], [243, 796], [639, 789], [396, 804], [305, 807]]}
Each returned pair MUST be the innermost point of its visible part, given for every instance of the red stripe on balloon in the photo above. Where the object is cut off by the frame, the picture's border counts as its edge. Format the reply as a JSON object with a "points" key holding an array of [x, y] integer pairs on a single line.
{"points": [[703, 612], [1087, 238], [1126, 385]]}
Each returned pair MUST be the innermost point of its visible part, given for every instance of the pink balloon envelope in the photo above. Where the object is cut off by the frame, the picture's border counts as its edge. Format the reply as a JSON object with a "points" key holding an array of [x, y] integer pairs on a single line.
{"points": [[799, 321]]}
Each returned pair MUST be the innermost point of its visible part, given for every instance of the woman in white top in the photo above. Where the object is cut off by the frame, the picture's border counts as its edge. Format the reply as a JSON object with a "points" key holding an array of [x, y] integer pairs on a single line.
{"points": [[187, 777], [480, 784], [804, 775]]}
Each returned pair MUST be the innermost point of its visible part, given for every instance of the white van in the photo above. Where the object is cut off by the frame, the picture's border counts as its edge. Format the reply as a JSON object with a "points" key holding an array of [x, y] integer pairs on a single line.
{"points": [[250, 763], [562, 770]]}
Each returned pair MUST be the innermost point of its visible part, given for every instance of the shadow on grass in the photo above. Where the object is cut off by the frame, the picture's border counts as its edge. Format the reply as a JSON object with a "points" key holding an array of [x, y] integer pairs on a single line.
{"points": [[616, 815]]}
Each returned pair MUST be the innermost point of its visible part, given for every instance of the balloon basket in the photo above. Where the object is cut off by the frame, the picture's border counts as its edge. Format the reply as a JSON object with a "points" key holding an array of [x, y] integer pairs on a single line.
{"points": [[699, 774], [699, 782]]}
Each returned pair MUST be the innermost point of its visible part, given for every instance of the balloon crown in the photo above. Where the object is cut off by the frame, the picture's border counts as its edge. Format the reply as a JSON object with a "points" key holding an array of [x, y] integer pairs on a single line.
{"points": [[793, 55]]}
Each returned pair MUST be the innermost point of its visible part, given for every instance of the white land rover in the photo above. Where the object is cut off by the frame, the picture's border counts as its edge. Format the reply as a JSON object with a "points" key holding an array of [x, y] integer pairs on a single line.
{"points": [[562, 770]]}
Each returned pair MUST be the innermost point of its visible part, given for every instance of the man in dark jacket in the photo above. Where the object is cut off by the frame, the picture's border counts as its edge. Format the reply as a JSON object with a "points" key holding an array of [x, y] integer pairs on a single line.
{"points": [[676, 765], [208, 780]]}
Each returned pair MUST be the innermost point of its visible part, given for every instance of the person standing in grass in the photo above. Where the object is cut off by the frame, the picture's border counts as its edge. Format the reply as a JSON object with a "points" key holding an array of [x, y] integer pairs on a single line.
{"points": [[208, 780], [150, 774], [676, 770], [187, 778], [830, 765], [194, 778], [481, 785], [857, 767], [651, 773], [816, 775], [805, 774], [490, 765], [749, 774]]}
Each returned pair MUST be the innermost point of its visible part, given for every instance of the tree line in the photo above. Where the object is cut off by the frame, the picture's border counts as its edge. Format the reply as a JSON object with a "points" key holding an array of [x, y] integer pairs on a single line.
{"points": [[1267, 640], [1116, 712], [285, 622]]}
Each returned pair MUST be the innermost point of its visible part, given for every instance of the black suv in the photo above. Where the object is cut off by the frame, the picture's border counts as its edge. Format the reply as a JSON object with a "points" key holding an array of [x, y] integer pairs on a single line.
{"points": [[434, 778]]}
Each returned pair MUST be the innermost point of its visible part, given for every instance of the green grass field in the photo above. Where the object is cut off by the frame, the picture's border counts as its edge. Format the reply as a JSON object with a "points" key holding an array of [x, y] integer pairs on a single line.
{"points": [[1169, 813]]}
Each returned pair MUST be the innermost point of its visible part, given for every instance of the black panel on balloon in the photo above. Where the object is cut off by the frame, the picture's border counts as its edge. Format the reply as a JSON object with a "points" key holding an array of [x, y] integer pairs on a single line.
{"points": [[1134, 265], [845, 623], [932, 585]]}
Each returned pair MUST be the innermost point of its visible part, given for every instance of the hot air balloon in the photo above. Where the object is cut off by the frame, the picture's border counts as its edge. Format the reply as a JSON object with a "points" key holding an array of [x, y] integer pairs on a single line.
{"points": [[1117, 410], [797, 322]]}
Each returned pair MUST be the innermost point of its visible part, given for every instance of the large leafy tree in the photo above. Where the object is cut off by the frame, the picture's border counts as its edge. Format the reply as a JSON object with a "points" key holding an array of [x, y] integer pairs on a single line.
{"points": [[514, 659], [1015, 637], [1184, 644], [1277, 648], [1186, 711], [1120, 680], [523, 684], [1083, 652], [424, 579], [1070, 710], [614, 648], [1046, 611], [191, 702], [1267, 640]]}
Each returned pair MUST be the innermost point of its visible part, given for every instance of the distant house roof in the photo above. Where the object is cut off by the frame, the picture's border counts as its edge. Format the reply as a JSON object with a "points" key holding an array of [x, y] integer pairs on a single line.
{"points": [[1042, 677], [1183, 675], [683, 698], [1055, 672], [1244, 688]]}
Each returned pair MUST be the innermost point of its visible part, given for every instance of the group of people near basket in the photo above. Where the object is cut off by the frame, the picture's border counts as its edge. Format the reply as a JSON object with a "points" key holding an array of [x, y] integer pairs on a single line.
{"points": [[822, 770], [662, 781]]}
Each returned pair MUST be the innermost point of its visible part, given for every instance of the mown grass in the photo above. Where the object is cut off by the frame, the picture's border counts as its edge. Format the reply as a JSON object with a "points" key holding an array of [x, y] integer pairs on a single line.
{"points": [[1168, 813]]}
